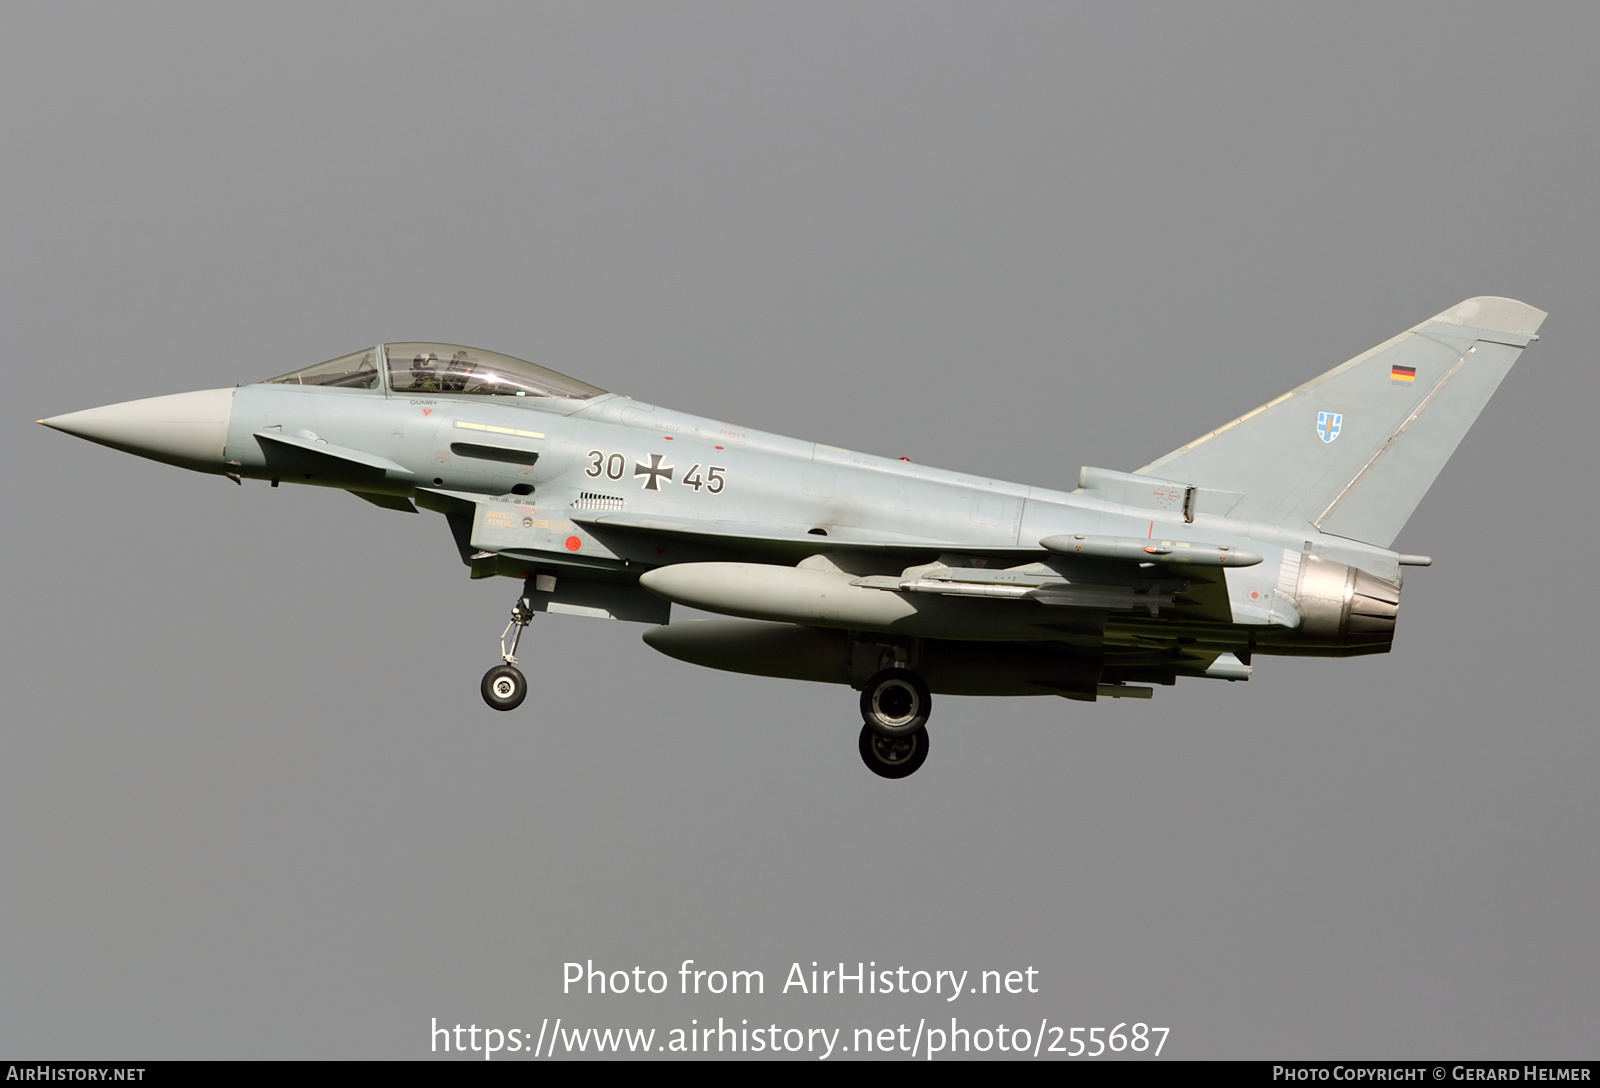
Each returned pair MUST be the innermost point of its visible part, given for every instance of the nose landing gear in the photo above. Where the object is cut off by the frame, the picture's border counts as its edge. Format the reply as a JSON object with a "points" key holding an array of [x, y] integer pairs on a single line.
{"points": [[504, 687]]}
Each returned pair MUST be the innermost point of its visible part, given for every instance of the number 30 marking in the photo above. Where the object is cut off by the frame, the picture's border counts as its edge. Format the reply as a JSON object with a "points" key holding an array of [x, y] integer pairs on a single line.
{"points": [[599, 463]]}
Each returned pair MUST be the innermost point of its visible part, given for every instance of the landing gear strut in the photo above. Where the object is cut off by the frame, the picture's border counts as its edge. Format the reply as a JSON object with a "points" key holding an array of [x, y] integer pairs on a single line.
{"points": [[504, 687]]}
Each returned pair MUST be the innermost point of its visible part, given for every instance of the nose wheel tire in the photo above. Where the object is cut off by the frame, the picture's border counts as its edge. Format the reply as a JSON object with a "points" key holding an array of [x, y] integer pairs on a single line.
{"points": [[895, 703], [893, 757], [504, 687]]}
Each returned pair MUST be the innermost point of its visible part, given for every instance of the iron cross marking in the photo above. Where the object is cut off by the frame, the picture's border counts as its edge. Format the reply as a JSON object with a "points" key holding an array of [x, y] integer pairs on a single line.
{"points": [[655, 470]]}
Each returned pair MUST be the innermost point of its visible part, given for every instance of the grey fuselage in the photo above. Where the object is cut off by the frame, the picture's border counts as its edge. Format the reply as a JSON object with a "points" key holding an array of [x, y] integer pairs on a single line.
{"points": [[609, 456]]}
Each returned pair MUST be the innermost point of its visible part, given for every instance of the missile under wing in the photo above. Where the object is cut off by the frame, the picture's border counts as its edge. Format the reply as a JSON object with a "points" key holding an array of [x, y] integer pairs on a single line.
{"points": [[1269, 535]]}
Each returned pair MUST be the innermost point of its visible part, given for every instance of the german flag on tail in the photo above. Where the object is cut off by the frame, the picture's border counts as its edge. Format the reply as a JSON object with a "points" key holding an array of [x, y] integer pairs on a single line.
{"points": [[1403, 373]]}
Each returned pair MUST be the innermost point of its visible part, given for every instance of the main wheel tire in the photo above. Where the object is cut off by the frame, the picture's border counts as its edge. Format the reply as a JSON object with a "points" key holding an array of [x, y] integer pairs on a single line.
{"points": [[895, 703], [504, 687], [893, 757]]}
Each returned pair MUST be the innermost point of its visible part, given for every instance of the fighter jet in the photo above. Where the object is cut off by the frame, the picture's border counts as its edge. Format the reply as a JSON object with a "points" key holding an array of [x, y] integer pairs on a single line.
{"points": [[1266, 536]]}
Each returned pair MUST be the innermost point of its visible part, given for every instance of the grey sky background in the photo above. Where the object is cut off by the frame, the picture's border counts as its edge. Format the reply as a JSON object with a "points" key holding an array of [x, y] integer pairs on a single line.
{"points": [[251, 804]]}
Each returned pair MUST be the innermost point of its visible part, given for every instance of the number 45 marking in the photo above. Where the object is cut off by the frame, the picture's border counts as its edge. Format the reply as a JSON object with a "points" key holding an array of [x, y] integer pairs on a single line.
{"points": [[712, 482]]}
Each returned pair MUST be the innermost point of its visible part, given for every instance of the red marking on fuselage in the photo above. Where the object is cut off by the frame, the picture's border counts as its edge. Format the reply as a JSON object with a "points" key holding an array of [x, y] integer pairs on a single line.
{"points": [[1152, 531], [573, 543], [427, 411]]}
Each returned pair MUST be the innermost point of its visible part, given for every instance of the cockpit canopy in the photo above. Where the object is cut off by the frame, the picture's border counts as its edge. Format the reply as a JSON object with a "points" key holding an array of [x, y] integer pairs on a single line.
{"points": [[355, 371], [450, 368], [442, 368]]}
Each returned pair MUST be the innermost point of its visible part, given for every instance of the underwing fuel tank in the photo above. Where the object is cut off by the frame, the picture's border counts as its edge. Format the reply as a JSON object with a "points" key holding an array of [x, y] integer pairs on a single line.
{"points": [[823, 656], [822, 598], [1344, 611]]}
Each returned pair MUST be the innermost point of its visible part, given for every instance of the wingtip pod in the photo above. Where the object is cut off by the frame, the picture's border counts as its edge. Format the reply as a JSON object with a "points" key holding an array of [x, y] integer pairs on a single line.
{"points": [[1493, 312]]}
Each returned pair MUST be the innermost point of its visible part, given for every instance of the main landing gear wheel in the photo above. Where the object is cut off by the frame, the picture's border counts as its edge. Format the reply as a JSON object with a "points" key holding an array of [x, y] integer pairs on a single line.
{"points": [[893, 757], [504, 687], [895, 703]]}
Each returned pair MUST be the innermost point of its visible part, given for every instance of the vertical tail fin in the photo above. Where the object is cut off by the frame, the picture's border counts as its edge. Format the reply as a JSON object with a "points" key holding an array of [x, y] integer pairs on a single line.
{"points": [[1353, 451]]}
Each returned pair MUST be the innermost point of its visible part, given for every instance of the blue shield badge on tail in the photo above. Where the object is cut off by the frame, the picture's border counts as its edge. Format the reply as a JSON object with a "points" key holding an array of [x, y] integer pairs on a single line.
{"points": [[1328, 424]]}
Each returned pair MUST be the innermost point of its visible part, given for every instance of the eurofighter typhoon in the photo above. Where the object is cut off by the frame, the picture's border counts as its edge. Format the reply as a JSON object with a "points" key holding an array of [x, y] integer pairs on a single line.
{"points": [[1267, 536]]}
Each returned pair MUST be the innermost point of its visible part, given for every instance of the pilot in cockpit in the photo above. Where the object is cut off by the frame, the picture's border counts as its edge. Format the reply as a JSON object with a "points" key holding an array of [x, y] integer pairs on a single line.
{"points": [[424, 373], [457, 372]]}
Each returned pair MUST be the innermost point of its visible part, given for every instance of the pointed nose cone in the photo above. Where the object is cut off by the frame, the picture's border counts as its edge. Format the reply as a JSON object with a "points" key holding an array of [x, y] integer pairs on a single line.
{"points": [[185, 429]]}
